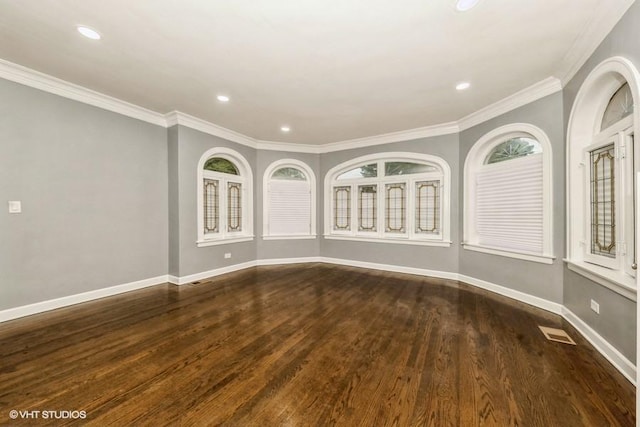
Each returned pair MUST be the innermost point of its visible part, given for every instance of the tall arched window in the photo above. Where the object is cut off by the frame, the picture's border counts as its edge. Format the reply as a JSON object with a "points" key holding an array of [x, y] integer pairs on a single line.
{"points": [[602, 164], [392, 197], [225, 199], [508, 194], [289, 201]]}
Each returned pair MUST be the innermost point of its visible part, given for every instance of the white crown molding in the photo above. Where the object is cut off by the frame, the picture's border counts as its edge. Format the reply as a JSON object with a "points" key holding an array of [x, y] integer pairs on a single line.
{"points": [[289, 147], [35, 79], [40, 307], [388, 138], [603, 21], [177, 118], [536, 91]]}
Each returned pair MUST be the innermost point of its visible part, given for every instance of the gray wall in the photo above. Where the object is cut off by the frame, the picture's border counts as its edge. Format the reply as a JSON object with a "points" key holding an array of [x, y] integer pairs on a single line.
{"points": [[431, 258], [541, 280], [273, 249], [93, 186], [617, 319], [185, 153]]}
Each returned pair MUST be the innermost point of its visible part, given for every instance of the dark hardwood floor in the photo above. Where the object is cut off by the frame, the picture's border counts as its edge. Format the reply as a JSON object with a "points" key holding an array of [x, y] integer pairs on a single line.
{"points": [[307, 345]]}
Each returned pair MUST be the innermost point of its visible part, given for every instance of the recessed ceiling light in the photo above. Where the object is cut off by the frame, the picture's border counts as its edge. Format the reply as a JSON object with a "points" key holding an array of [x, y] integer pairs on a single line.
{"points": [[464, 5], [223, 98], [89, 33], [463, 86], [285, 128]]}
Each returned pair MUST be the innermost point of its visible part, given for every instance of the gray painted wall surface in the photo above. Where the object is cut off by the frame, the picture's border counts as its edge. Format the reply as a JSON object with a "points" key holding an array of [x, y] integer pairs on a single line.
{"points": [[93, 186], [617, 319], [272, 249], [541, 280], [192, 144], [431, 258], [173, 168]]}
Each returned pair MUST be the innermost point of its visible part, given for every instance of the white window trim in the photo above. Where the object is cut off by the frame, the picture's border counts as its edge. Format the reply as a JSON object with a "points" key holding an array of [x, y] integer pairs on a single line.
{"points": [[584, 124], [475, 159], [311, 177], [441, 240], [245, 178]]}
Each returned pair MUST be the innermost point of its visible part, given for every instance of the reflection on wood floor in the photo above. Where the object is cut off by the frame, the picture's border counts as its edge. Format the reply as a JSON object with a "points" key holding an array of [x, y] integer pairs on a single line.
{"points": [[308, 345]]}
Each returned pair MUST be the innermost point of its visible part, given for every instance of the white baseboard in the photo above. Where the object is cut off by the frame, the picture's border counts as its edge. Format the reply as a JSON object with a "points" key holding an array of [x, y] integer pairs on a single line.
{"points": [[538, 302], [617, 359], [183, 280], [394, 268], [39, 307], [281, 261]]}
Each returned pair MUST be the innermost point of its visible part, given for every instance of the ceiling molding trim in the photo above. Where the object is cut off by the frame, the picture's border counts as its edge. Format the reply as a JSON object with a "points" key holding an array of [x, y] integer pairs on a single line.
{"points": [[602, 23], [536, 91], [177, 118], [388, 138], [35, 79], [290, 147]]}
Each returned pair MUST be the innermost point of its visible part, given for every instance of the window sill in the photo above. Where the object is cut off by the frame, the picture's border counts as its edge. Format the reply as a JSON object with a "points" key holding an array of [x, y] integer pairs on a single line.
{"points": [[214, 242], [543, 259], [618, 282], [436, 243], [290, 237]]}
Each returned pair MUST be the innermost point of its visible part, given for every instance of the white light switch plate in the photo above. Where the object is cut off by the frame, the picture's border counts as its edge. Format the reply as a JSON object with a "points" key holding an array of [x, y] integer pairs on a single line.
{"points": [[15, 206]]}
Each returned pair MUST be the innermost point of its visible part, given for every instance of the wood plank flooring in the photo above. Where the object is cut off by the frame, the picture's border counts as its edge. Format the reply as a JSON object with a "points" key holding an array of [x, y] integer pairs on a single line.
{"points": [[306, 345]]}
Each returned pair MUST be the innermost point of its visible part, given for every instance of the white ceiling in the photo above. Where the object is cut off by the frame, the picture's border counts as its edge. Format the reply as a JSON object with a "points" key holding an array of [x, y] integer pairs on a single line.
{"points": [[333, 70]]}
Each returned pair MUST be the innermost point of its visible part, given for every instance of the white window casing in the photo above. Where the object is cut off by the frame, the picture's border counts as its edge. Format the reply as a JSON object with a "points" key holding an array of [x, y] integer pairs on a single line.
{"points": [[234, 198], [385, 208], [584, 136], [289, 206], [508, 205]]}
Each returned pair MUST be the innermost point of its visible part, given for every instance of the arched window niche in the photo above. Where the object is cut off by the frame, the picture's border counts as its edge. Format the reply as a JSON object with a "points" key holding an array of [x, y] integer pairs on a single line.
{"points": [[289, 201], [393, 197], [224, 198], [602, 166], [508, 194]]}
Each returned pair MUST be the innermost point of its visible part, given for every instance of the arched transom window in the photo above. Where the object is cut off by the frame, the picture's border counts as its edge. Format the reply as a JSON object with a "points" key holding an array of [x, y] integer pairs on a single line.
{"points": [[224, 198], [508, 194], [289, 199], [396, 197]]}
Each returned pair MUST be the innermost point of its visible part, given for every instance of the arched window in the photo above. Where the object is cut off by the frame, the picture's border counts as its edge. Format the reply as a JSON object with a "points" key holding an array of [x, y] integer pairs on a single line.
{"points": [[393, 197], [602, 164], [508, 200], [289, 201], [224, 198]]}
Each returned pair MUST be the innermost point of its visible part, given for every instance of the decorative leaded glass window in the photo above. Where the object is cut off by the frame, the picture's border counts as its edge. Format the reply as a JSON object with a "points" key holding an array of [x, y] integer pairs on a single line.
{"points": [[395, 208], [342, 208], [428, 207], [211, 206], [620, 106], [234, 206], [406, 168], [603, 203], [289, 173], [367, 207], [513, 149], [218, 164], [366, 171]]}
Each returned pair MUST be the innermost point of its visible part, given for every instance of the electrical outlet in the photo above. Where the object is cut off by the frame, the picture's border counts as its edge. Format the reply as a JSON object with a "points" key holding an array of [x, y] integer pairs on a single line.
{"points": [[595, 306], [15, 206], [227, 255]]}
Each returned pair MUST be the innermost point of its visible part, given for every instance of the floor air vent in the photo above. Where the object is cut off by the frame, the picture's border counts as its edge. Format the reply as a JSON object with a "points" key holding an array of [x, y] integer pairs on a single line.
{"points": [[558, 335]]}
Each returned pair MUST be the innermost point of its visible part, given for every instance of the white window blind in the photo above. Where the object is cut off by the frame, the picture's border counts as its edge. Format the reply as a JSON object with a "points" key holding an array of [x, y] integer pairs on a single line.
{"points": [[289, 207], [509, 204]]}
